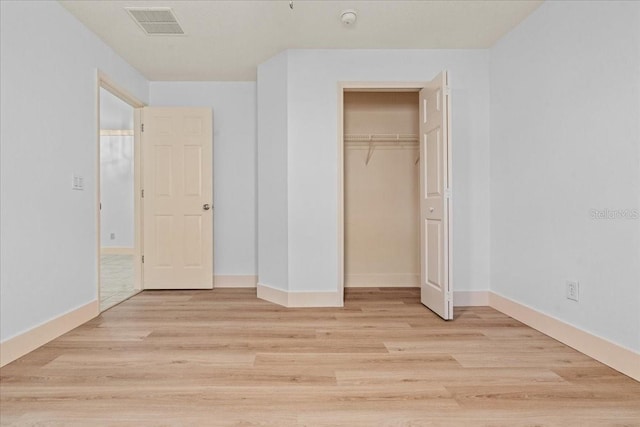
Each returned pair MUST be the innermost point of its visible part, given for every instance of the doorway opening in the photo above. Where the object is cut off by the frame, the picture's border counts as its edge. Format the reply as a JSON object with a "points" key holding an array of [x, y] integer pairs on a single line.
{"points": [[119, 272], [381, 189], [394, 186]]}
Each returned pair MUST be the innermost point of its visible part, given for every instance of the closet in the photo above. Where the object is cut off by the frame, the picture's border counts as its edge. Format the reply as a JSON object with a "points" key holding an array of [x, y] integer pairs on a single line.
{"points": [[381, 189]]}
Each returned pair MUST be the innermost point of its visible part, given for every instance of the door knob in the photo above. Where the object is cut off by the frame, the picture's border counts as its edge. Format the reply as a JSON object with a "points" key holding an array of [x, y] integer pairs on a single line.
{"points": [[430, 209], [206, 206]]}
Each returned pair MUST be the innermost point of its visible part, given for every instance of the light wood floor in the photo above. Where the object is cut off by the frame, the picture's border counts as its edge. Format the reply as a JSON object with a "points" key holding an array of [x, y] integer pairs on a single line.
{"points": [[224, 357]]}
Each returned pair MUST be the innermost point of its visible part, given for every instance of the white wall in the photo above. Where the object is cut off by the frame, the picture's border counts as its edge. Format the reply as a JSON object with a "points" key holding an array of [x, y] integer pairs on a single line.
{"points": [[49, 126], [234, 165], [311, 126], [116, 191], [115, 114], [565, 139], [116, 173], [273, 210]]}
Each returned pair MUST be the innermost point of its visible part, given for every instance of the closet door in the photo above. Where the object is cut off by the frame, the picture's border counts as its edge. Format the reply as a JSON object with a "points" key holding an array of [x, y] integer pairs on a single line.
{"points": [[435, 197]]}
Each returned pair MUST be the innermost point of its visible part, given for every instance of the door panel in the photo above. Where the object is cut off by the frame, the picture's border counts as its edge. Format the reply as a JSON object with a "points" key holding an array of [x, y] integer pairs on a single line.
{"points": [[193, 240], [162, 154], [192, 173], [433, 171], [435, 203], [162, 246], [177, 182], [434, 261]]}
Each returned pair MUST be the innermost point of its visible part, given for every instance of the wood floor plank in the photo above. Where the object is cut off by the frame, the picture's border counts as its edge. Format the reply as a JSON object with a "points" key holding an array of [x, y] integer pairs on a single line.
{"points": [[471, 344], [493, 376], [355, 360], [525, 359], [225, 358], [543, 396]]}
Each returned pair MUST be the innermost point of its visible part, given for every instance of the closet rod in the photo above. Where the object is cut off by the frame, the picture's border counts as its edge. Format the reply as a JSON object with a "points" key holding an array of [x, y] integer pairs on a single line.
{"points": [[373, 140], [379, 137]]}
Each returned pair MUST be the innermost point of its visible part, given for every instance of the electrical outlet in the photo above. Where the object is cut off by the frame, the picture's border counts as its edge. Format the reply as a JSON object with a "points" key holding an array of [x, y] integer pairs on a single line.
{"points": [[112, 236], [573, 290]]}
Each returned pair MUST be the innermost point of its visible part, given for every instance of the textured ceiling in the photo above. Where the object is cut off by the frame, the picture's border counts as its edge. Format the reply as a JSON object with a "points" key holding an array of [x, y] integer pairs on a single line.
{"points": [[226, 40]]}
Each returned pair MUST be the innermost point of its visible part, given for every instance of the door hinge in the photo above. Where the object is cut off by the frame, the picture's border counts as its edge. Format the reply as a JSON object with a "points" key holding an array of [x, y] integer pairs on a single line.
{"points": [[141, 127], [143, 259], [142, 193], [446, 90], [447, 193]]}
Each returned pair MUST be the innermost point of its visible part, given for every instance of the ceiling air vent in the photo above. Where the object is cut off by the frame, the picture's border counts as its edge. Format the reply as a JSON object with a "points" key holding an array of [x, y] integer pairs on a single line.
{"points": [[156, 21]]}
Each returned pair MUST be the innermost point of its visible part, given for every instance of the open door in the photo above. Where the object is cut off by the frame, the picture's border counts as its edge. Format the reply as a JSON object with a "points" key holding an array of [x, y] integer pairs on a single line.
{"points": [[176, 198], [435, 197]]}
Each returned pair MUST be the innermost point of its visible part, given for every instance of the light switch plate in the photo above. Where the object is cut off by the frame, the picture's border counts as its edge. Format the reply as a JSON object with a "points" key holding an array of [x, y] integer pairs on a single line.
{"points": [[77, 182]]}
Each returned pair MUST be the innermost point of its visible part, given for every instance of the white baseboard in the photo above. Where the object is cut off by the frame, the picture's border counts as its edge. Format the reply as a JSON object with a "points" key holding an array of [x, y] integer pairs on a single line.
{"points": [[299, 299], [18, 346], [613, 355], [382, 281], [315, 299], [274, 295], [470, 298], [235, 281], [116, 250]]}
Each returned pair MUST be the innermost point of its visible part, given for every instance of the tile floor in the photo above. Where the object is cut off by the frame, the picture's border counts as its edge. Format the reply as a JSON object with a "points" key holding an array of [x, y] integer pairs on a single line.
{"points": [[116, 279]]}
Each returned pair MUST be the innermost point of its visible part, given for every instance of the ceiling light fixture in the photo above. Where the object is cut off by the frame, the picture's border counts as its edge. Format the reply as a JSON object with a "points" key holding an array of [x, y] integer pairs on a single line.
{"points": [[348, 17]]}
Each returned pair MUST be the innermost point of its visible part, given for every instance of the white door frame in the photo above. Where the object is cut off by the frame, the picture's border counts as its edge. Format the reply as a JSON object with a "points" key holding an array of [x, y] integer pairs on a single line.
{"points": [[104, 82], [393, 86]]}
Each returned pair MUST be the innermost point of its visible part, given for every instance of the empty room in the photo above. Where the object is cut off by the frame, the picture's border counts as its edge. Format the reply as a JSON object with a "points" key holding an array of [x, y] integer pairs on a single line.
{"points": [[320, 213]]}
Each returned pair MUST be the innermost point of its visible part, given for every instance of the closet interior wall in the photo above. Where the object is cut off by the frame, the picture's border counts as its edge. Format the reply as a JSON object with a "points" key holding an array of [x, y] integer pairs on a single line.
{"points": [[381, 189]]}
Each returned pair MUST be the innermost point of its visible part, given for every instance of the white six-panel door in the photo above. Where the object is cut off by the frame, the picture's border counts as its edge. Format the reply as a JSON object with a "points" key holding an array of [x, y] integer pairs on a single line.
{"points": [[177, 201], [435, 200]]}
